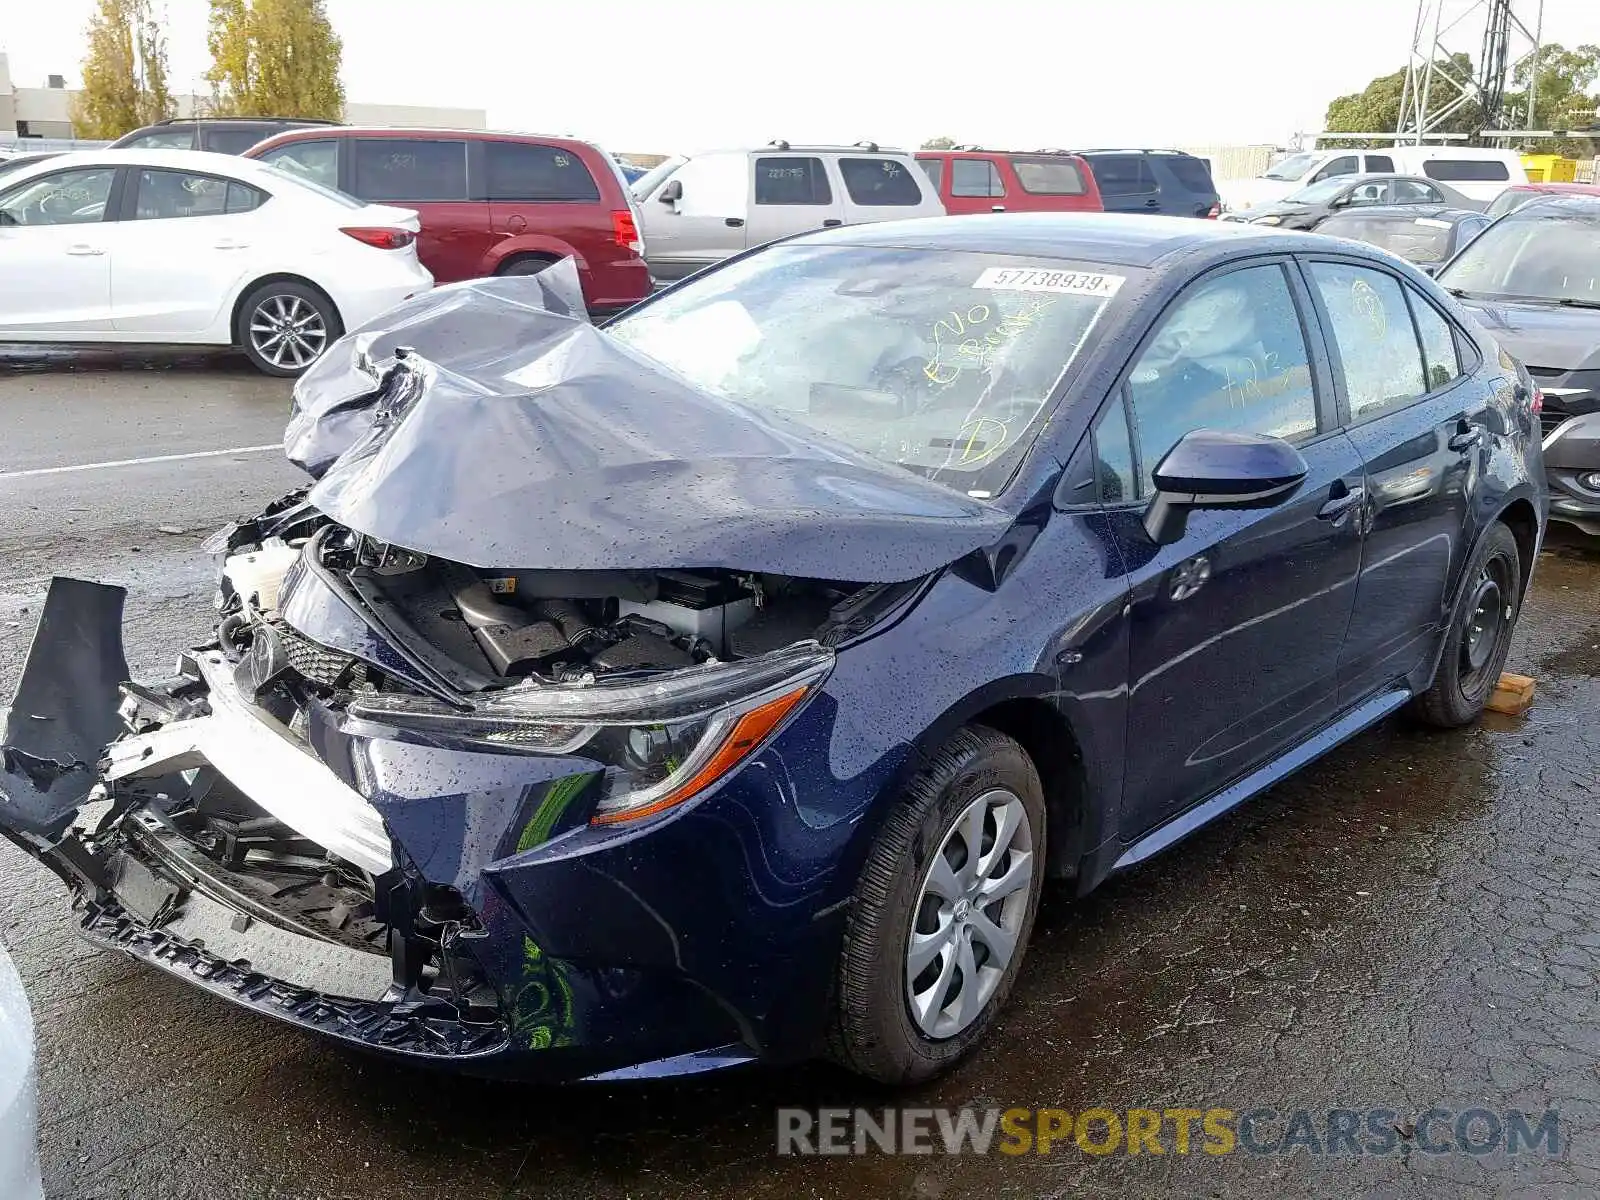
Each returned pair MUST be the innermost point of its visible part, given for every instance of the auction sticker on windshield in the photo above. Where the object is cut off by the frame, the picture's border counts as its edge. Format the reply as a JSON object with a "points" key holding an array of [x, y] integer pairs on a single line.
{"points": [[1032, 279]]}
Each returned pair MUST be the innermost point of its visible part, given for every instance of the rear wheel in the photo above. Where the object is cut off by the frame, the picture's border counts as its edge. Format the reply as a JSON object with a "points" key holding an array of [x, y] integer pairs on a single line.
{"points": [[285, 326], [941, 914], [1479, 637], [528, 264]]}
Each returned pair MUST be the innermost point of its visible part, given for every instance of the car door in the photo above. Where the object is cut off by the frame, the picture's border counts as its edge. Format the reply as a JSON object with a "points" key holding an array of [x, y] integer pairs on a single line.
{"points": [[181, 251], [1422, 429], [975, 187], [790, 193], [538, 189], [698, 215], [55, 252], [1235, 629], [877, 188], [429, 175]]}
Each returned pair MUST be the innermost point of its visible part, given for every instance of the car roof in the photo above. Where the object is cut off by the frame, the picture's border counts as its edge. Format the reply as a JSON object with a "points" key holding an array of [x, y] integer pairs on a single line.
{"points": [[982, 151], [1125, 240], [1566, 203], [1130, 150], [323, 132], [1574, 189]]}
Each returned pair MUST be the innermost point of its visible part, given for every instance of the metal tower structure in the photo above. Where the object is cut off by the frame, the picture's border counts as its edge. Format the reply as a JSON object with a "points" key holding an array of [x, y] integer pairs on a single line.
{"points": [[1436, 89]]}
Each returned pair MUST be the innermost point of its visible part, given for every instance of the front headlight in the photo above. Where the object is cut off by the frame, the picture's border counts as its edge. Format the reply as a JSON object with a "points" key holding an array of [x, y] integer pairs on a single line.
{"points": [[656, 743], [1268, 220]]}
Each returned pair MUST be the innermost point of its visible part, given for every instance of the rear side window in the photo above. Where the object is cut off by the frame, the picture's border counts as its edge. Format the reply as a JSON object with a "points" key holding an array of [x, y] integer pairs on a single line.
{"points": [[160, 195], [408, 169], [1123, 175], [791, 180], [934, 169], [317, 161], [975, 177], [1377, 342], [1466, 170], [233, 139], [1049, 176], [1440, 359], [521, 171], [1191, 172], [885, 181]]}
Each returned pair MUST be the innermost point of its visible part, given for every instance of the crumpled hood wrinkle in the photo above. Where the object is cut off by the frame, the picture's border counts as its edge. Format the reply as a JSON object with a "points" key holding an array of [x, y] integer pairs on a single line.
{"points": [[512, 433]]}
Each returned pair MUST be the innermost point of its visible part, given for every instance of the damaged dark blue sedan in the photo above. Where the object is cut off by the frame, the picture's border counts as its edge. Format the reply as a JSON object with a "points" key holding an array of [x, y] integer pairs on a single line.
{"points": [[723, 685]]}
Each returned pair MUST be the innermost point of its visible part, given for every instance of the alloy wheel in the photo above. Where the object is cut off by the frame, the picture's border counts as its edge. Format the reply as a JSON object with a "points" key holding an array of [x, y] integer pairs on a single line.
{"points": [[969, 914], [287, 331]]}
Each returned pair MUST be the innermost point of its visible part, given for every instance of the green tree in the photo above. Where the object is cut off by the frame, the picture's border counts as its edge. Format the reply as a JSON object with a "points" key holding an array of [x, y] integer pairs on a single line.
{"points": [[124, 72], [1565, 97], [274, 58], [939, 143], [1376, 108]]}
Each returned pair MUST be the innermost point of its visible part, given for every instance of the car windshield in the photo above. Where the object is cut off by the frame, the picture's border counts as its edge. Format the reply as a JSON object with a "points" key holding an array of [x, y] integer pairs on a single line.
{"points": [[939, 361], [1292, 167], [1510, 199], [1537, 256], [654, 177], [1419, 239], [1320, 193]]}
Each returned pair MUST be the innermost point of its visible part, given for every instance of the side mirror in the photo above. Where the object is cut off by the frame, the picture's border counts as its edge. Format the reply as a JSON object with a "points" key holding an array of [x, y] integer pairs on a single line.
{"points": [[672, 193], [7, 219], [1210, 469], [1428, 268]]}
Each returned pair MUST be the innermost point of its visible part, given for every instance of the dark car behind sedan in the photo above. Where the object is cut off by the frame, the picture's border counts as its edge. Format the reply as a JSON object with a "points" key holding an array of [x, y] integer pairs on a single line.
{"points": [[721, 685], [1533, 280], [1428, 235]]}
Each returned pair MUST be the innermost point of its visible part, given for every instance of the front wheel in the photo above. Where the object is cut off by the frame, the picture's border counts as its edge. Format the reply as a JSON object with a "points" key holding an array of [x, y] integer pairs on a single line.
{"points": [[1479, 637], [285, 326], [940, 919]]}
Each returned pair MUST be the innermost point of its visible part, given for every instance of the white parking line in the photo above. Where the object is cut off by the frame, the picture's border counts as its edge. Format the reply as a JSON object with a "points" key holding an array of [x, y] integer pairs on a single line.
{"points": [[139, 462]]}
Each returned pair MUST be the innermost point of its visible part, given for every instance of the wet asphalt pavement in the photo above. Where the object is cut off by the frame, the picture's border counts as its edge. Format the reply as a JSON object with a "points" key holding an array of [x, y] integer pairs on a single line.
{"points": [[1413, 922]]}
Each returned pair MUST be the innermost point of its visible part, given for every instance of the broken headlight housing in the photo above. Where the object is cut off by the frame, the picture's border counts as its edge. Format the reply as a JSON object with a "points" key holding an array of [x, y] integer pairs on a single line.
{"points": [[658, 741]]}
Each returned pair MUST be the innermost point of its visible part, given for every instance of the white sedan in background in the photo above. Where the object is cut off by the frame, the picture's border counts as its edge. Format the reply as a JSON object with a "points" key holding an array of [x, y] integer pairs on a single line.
{"points": [[19, 1117], [179, 247]]}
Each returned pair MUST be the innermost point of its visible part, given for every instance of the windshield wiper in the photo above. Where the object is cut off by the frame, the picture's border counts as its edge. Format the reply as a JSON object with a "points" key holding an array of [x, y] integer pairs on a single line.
{"points": [[1575, 302]]}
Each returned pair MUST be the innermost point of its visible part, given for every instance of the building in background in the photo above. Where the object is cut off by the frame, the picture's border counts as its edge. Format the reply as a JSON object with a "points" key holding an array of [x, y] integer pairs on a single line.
{"points": [[46, 112]]}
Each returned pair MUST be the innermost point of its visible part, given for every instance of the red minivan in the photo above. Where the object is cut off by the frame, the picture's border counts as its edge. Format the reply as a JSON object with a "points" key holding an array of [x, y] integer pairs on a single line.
{"points": [[490, 203], [972, 180]]}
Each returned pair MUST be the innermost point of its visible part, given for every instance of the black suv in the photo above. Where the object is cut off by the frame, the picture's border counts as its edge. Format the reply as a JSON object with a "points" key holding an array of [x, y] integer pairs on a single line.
{"points": [[220, 135], [1154, 181]]}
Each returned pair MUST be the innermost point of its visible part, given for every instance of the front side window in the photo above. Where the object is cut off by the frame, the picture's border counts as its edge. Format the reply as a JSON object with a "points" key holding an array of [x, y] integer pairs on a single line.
{"points": [[1546, 256], [942, 362], [934, 169], [159, 195], [65, 198], [1345, 164], [792, 181], [883, 181], [975, 177], [1123, 175], [1230, 356], [317, 161], [522, 171], [1116, 480], [1364, 194], [1377, 342], [385, 169]]}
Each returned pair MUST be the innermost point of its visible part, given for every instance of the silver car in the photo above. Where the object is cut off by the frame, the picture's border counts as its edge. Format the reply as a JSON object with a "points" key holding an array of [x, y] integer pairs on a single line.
{"points": [[706, 207], [19, 1106]]}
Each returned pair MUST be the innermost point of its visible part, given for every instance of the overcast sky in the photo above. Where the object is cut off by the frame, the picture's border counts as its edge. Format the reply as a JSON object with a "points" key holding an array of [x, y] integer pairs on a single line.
{"points": [[665, 75]]}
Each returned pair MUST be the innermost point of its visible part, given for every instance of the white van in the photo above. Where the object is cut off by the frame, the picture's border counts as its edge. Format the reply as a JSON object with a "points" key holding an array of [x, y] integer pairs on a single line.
{"points": [[701, 209], [1479, 173]]}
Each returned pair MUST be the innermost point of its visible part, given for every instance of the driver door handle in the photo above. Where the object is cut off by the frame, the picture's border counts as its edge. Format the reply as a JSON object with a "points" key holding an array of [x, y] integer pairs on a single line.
{"points": [[831, 222], [733, 222], [1340, 505], [83, 248]]}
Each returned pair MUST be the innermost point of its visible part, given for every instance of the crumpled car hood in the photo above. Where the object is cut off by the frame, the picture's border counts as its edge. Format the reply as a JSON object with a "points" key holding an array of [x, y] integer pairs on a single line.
{"points": [[1542, 335], [511, 432]]}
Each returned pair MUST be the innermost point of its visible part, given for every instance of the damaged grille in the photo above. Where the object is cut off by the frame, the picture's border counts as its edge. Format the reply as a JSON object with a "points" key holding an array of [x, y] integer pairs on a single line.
{"points": [[318, 664]]}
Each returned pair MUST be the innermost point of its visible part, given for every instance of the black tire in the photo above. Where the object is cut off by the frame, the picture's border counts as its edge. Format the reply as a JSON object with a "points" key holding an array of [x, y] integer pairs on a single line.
{"points": [[527, 264], [1490, 602], [279, 298], [873, 1032]]}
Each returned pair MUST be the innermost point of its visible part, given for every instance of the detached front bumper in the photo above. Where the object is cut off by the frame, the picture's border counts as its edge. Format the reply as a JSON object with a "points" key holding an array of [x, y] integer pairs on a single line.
{"points": [[461, 921]]}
